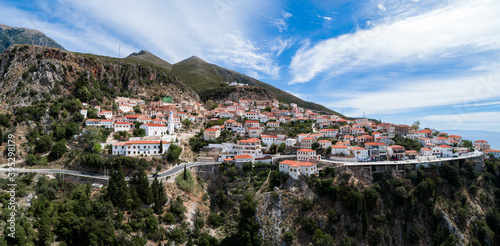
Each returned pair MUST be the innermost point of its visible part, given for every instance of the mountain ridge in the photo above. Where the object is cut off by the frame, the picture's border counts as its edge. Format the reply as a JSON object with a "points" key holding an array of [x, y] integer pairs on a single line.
{"points": [[207, 78], [19, 35]]}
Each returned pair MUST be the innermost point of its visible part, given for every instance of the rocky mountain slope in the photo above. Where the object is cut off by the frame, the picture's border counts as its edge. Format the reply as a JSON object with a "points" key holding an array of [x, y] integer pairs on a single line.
{"points": [[16, 35], [29, 73]]}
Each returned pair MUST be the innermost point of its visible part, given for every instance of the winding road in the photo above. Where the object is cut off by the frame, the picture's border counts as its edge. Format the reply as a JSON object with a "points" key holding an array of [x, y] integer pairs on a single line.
{"points": [[164, 174]]}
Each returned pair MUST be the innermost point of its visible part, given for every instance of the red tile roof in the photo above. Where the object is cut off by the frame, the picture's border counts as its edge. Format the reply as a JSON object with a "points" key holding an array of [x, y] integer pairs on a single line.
{"points": [[155, 124], [243, 157], [297, 163]]}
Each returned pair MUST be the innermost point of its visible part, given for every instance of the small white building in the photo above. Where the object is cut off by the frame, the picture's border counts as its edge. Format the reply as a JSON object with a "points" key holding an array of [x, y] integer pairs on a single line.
{"points": [[107, 123], [307, 155], [154, 129], [136, 148], [106, 114], [123, 126], [329, 133], [359, 153], [294, 168], [84, 113], [270, 139], [92, 122], [290, 142], [494, 152], [340, 150]]}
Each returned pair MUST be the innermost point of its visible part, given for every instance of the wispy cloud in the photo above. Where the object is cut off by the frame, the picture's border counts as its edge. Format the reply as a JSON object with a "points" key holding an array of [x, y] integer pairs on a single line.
{"points": [[459, 29], [279, 45], [420, 94], [173, 30], [476, 120], [280, 23]]}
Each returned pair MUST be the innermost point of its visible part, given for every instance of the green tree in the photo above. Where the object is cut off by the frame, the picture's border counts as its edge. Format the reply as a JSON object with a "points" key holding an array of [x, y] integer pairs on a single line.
{"points": [[83, 94], [248, 228], [159, 196], [139, 181], [137, 109], [77, 117], [43, 144], [161, 146], [117, 191], [315, 146], [58, 150]]}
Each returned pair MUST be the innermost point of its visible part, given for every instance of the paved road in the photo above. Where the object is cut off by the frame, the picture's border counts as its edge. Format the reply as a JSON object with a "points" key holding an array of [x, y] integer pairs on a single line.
{"points": [[164, 174], [415, 161]]}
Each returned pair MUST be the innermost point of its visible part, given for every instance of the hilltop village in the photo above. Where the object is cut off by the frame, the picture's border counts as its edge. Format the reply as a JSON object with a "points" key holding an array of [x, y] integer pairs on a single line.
{"points": [[249, 131]]}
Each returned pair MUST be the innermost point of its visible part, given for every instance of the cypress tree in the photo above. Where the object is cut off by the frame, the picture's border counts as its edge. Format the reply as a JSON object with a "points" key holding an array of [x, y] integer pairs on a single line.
{"points": [[117, 191], [185, 172], [161, 146], [158, 192]]}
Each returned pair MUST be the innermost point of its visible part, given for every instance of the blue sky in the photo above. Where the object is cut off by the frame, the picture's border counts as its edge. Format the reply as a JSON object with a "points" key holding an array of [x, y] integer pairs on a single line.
{"points": [[436, 61]]}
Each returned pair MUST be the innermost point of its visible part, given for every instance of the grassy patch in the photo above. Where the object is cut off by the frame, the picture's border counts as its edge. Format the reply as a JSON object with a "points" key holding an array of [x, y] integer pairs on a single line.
{"points": [[186, 183]]}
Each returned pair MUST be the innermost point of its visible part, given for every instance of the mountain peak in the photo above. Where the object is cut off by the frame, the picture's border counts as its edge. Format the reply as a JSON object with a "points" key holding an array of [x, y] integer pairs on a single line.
{"points": [[142, 52], [18, 35], [146, 56], [193, 59]]}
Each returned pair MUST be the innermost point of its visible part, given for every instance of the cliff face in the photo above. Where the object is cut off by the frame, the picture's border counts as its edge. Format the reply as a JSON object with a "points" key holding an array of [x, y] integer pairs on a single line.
{"points": [[449, 205], [29, 73]]}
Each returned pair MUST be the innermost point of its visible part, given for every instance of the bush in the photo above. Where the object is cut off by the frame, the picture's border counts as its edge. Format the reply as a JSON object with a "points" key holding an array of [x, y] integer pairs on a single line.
{"points": [[185, 180], [58, 150], [214, 219], [288, 237], [309, 225]]}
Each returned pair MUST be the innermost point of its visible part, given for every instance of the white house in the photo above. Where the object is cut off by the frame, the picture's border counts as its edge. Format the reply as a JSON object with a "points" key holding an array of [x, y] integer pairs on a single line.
{"points": [[136, 148], [107, 123], [359, 153], [273, 124], [329, 133], [294, 168], [290, 142], [84, 113], [442, 151], [92, 122], [325, 143], [340, 150], [250, 146], [270, 139], [307, 155], [123, 126], [494, 152], [154, 129]]}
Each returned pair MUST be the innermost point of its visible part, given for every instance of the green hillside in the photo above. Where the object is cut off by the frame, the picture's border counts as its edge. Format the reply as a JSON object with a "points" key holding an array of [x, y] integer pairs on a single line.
{"points": [[204, 77]]}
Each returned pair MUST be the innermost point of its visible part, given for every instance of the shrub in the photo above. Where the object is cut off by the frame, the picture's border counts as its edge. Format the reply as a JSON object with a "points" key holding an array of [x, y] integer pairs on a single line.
{"points": [[185, 181], [309, 225]]}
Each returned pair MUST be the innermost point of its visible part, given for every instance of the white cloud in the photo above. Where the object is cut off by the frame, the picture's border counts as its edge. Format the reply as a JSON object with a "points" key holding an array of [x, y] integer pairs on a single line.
{"points": [[476, 120], [279, 45], [173, 30], [415, 95], [280, 23], [461, 28], [327, 18], [381, 7]]}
